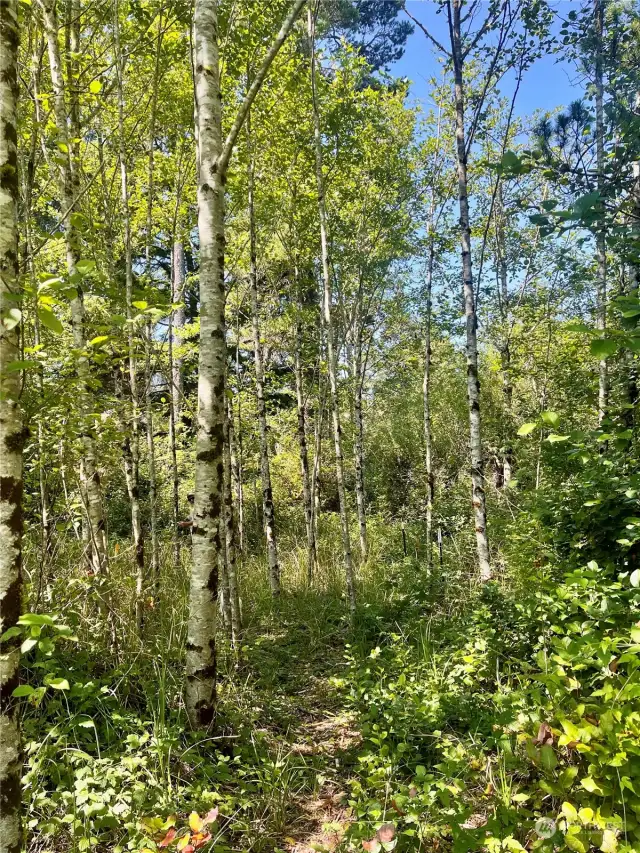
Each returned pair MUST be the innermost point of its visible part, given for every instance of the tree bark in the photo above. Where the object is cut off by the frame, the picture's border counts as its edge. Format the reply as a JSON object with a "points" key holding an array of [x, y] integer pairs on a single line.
{"points": [[358, 422], [329, 330], [426, 400], [268, 511], [230, 539], [151, 448], [131, 444], [304, 455], [505, 349], [203, 592], [91, 486], [213, 157], [12, 437], [176, 321], [235, 454], [473, 382], [601, 233]]}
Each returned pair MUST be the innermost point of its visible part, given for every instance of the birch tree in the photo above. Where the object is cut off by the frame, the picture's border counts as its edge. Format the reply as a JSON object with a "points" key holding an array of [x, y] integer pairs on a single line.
{"points": [[69, 190], [12, 437], [327, 316], [214, 155], [268, 511]]}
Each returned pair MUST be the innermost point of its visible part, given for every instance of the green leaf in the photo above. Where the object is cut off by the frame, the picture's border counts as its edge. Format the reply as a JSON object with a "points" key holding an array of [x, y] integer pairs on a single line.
{"points": [[49, 319], [609, 843], [14, 366], [95, 86], [58, 683], [23, 690], [548, 757], [36, 619], [635, 635], [586, 202], [27, 645], [603, 347], [510, 161], [141, 305], [574, 842], [525, 429], [84, 267], [634, 578], [11, 318], [590, 784], [100, 339], [578, 327], [551, 418], [554, 437], [569, 812]]}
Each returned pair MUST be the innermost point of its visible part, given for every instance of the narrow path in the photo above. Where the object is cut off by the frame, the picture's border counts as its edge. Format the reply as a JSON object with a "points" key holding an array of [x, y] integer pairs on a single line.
{"points": [[318, 729]]}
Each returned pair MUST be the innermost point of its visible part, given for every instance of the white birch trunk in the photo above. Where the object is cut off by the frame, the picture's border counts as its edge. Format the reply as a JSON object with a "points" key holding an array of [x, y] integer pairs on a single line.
{"points": [[12, 437], [473, 382], [68, 177], [131, 445], [426, 399], [601, 233], [328, 325], [203, 592], [213, 158], [268, 511]]}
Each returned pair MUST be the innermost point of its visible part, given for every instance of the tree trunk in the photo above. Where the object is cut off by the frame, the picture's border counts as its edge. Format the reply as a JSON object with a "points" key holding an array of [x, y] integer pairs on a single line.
{"points": [[151, 449], [304, 455], [473, 382], [131, 446], [213, 158], [633, 290], [203, 592], [601, 233], [176, 321], [12, 437], [358, 375], [151, 454], [328, 324], [230, 539], [505, 349], [235, 454], [268, 512], [69, 183], [426, 399]]}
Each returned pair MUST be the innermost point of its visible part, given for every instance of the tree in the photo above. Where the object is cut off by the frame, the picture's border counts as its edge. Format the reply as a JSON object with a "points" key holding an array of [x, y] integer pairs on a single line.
{"points": [[12, 437], [214, 155]]}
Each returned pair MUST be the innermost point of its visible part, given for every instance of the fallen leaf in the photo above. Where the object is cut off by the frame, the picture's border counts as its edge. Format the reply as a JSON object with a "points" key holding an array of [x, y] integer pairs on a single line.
{"points": [[544, 736], [195, 822], [413, 792], [184, 842], [169, 837], [372, 846], [210, 816], [200, 839], [397, 808], [386, 832]]}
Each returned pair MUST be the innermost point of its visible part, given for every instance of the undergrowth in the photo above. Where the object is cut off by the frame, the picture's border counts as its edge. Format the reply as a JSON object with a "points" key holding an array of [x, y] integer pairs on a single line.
{"points": [[501, 718]]}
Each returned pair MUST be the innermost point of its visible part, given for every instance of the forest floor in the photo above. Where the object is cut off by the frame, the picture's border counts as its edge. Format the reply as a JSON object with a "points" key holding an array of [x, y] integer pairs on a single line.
{"points": [[308, 722]]}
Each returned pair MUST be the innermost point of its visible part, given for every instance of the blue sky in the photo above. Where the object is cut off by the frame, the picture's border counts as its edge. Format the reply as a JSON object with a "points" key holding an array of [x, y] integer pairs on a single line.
{"points": [[551, 82]]}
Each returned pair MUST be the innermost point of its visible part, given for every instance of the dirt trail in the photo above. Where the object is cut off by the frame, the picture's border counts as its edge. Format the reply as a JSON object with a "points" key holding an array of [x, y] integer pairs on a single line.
{"points": [[324, 818]]}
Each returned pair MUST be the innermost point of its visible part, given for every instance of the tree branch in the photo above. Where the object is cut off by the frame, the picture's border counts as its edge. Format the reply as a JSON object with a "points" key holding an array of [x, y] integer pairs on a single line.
{"points": [[434, 41], [254, 88]]}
